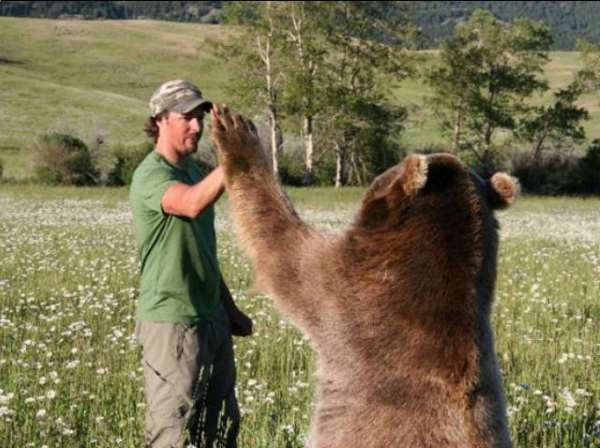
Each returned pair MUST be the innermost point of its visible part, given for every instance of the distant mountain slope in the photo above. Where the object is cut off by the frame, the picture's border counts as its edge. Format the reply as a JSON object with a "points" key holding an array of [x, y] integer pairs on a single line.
{"points": [[198, 11], [568, 20]]}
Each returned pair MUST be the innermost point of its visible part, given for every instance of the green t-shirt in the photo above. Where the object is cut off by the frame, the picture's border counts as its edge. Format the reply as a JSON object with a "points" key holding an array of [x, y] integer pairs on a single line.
{"points": [[180, 277]]}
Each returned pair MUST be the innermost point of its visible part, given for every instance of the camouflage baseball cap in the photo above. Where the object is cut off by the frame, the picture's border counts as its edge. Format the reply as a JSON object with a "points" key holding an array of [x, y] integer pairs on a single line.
{"points": [[177, 96]]}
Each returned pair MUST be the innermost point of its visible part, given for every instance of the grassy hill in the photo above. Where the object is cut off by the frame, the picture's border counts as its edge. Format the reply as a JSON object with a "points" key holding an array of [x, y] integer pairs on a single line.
{"points": [[95, 77], [91, 77]]}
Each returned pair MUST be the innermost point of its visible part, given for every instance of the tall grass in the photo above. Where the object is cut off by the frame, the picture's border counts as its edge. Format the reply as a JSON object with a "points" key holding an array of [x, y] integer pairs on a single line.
{"points": [[70, 371]]}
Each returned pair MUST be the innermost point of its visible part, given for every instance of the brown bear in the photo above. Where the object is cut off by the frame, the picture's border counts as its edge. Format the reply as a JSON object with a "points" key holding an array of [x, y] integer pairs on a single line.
{"points": [[397, 307]]}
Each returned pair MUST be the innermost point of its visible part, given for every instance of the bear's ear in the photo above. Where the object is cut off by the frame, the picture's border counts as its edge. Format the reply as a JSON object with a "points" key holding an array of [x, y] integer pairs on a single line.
{"points": [[409, 176], [406, 178], [413, 174], [502, 191]]}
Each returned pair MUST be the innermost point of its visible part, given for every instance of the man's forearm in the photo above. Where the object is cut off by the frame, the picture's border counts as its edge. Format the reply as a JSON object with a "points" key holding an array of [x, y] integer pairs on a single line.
{"points": [[192, 200], [205, 193]]}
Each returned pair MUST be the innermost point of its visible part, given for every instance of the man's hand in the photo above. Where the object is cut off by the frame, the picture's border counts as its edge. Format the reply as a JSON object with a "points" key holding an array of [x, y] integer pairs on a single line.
{"points": [[241, 325]]}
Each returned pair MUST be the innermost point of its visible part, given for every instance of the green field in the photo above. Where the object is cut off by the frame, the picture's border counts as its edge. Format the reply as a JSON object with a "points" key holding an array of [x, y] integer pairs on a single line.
{"points": [[70, 373], [92, 78]]}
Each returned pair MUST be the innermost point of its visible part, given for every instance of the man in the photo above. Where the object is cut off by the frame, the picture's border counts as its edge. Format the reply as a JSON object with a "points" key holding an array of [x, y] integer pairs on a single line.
{"points": [[185, 313]]}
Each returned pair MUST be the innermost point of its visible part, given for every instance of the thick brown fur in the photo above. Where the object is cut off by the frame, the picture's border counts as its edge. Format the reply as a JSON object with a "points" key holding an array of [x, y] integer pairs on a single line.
{"points": [[397, 307]]}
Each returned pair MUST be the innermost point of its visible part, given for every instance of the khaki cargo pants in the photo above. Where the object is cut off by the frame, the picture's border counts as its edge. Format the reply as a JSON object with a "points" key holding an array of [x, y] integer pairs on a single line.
{"points": [[189, 374]]}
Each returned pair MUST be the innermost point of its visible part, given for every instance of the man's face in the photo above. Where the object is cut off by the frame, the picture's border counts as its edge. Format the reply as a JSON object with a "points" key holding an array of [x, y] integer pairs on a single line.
{"points": [[182, 131]]}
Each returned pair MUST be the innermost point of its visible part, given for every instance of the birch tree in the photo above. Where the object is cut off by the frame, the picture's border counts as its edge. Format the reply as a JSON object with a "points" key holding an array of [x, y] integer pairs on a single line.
{"points": [[368, 49], [306, 51], [321, 59], [255, 59]]}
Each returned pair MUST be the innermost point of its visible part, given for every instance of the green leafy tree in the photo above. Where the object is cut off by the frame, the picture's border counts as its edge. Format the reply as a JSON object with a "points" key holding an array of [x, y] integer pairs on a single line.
{"points": [[487, 70], [306, 51], [255, 57], [451, 79], [376, 139], [335, 53], [556, 122], [367, 49], [303, 60]]}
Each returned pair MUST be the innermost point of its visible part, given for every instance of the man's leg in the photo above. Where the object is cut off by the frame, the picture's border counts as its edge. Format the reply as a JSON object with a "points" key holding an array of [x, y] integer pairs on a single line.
{"points": [[172, 361], [222, 411]]}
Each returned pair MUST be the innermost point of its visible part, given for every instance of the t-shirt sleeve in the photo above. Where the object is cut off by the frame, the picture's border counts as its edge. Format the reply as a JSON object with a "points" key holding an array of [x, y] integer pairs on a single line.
{"points": [[157, 182]]}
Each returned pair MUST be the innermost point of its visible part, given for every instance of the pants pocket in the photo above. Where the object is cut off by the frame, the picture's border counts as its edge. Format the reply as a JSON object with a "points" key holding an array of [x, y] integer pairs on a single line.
{"points": [[187, 342]]}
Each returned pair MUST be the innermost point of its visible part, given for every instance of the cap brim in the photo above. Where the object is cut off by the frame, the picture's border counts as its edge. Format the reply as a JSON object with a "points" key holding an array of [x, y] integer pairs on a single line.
{"points": [[189, 105]]}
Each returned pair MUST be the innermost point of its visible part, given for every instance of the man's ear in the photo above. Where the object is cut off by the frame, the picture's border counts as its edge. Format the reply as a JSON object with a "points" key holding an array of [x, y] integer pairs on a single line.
{"points": [[502, 191], [161, 118]]}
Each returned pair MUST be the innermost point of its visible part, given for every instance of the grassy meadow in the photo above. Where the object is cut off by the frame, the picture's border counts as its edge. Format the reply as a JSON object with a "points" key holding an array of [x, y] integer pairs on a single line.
{"points": [[70, 372], [91, 78]]}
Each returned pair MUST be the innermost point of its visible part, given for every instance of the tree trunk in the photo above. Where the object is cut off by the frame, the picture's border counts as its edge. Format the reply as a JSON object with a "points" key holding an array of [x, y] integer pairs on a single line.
{"points": [[265, 50], [538, 149], [355, 170], [297, 34], [457, 132], [307, 134], [340, 163], [487, 138], [275, 140], [487, 150], [537, 152]]}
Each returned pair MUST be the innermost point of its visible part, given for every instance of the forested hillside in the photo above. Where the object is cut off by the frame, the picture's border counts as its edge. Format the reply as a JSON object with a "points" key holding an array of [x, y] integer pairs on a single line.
{"points": [[182, 11], [568, 20]]}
